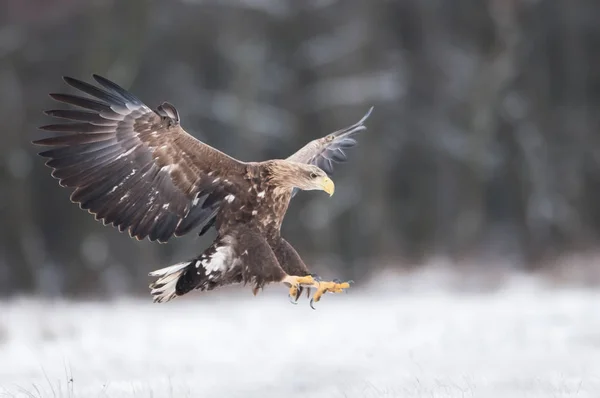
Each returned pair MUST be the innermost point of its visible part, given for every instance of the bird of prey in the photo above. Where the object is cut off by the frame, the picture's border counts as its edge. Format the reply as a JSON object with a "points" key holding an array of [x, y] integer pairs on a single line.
{"points": [[138, 170]]}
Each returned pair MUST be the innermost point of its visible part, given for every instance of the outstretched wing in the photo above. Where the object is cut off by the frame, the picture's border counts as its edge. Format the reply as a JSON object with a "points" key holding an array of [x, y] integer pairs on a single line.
{"points": [[136, 168], [324, 152]]}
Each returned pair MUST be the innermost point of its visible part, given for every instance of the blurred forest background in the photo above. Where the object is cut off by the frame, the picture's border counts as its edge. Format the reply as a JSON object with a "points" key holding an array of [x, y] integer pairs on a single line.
{"points": [[484, 145]]}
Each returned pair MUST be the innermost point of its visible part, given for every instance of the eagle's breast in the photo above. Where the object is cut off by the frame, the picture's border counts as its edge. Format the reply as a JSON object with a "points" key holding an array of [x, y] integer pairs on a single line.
{"points": [[261, 205]]}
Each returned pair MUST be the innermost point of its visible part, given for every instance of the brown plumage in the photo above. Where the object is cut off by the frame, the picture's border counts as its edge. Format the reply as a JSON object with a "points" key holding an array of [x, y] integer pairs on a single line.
{"points": [[138, 170]]}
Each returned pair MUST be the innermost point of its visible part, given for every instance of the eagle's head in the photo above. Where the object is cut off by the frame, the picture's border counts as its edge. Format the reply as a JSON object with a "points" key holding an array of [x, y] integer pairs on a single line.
{"points": [[300, 175]]}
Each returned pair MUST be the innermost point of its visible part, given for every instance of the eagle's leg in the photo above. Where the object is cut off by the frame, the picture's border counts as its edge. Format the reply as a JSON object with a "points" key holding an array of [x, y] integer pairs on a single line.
{"points": [[302, 279], [292, 264]]}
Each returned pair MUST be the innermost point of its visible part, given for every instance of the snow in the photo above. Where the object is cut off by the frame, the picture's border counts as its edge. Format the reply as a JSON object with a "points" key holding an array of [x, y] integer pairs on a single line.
{"points": [[516, 342]]}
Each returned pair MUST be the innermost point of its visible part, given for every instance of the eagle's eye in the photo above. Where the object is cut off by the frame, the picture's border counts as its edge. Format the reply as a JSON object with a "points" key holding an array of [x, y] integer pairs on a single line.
{"points": [[313, 175]]}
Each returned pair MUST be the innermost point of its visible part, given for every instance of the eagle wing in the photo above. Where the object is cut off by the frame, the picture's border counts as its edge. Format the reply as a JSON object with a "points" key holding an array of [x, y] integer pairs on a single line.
{"points": [[324, 152], [136, 168]]}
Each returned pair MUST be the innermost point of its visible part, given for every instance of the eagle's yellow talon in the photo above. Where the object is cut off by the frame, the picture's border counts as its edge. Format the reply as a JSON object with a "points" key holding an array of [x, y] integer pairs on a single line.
{"points": [[325, 287], [296, 283]]}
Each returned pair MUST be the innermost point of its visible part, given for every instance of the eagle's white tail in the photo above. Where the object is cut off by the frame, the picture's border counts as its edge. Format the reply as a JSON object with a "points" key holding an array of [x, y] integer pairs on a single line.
{"points": [[163, 289]]}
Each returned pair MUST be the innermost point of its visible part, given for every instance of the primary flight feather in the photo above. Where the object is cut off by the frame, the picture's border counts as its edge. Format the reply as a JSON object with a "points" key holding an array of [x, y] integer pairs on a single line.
{"points": [[138, 170]]}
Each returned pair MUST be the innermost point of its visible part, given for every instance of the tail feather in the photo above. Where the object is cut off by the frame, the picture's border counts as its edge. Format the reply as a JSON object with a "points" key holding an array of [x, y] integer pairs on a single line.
{"points": [[217, 266], [164, 288]]}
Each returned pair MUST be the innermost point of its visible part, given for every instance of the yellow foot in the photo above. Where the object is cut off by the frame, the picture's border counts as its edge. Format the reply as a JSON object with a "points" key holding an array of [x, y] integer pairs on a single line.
{"points": [[296, 284], [328, 287]]}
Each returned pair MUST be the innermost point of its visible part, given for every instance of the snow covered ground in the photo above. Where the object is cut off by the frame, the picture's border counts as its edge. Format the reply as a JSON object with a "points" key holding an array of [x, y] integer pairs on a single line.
{"points": [[516, 342]]}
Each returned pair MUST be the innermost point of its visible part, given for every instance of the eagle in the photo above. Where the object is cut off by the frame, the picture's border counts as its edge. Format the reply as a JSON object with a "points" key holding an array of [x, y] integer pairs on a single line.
{"points": [[138, 170]]}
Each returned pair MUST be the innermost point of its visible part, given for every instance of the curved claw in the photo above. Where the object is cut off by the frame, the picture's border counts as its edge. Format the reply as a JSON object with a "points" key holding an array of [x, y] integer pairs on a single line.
{"points": [[311, 304], [292, 300]]}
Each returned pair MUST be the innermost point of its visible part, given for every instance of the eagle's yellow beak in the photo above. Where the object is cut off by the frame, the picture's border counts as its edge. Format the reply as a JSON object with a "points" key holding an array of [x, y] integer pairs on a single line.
{"points": [[328, 186]]}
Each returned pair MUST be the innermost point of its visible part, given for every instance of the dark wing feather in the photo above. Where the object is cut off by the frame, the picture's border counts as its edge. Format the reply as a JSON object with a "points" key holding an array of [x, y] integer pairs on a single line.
{"points": [[135, 168], [324, 152]]}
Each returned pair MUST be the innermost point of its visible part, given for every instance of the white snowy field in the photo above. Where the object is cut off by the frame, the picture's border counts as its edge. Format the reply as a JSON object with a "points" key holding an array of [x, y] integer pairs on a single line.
{"points": [[517, 342]]}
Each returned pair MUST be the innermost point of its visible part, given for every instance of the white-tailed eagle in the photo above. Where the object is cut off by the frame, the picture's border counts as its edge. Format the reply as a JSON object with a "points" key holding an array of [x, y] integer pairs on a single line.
{"points": [[137, 169]]}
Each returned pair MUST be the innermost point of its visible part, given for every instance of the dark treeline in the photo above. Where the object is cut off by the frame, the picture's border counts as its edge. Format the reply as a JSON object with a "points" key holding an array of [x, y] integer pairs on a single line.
{"points": [[484, 141]]}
